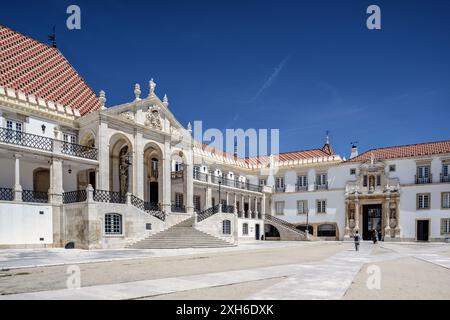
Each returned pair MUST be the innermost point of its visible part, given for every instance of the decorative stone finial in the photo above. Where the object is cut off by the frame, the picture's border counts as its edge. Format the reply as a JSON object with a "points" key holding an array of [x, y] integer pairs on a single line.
{"points": [[189, 127], [152, 88], [102, 98], [137, 91], [166, 100]]}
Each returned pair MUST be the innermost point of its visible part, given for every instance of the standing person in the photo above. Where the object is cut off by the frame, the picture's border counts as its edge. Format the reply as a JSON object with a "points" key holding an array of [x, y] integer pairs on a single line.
{"points": [[357, 239], [375, 236]]}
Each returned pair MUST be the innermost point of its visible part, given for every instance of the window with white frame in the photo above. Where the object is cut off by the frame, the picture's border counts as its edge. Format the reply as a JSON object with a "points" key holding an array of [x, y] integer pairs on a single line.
{"points": [[423, 201], [245, 229], [445, 169], [279, 183], [226, 227], [445, 200], [70, 138], [445, 226], [302, 181], [279, 208], [262, 182], [321, 179], [321, 206], [302, 206], [423, 172], [352, 171], [113, 224], [15, 130]]}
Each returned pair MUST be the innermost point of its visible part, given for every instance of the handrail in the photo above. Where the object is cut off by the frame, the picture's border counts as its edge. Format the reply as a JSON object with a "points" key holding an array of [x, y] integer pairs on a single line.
{"points": [[74, 196], [34, 196], [6, 194], [151, 208], [284, 224], [109, 196], [208, 213]]}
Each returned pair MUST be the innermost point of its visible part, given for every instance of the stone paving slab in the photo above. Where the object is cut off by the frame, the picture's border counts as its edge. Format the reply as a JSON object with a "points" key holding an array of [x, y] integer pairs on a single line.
{"points": [[32, 258]]}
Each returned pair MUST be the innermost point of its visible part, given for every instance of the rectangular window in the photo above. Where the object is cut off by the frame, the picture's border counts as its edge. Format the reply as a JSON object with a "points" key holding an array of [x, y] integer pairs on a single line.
{"points": [[445, 200], [445, 226], [302, 181], [321, 179], [113, 224], [279, 184], [302, 206], [423, 172], [262, 182], [365, 181], [279, 208], [179, 200], [321, 206], [245, 229], [392, 168], [14, 133], [70, 138], [423, 201], [445, 169], [352, 171], [378, 180]]}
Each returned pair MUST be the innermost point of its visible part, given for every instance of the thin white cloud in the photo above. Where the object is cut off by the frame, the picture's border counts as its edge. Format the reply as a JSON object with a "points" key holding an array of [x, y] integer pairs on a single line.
{"points": [[272, 78]]}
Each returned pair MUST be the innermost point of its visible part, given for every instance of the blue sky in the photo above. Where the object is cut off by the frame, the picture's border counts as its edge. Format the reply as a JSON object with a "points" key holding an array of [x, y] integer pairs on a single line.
{"points": [[301, 66]]}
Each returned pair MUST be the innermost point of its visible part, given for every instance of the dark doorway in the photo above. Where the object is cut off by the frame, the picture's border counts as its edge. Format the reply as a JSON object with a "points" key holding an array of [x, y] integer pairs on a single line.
{"points": [[92, 177], [154, 192], [422, 230], [303, 228], [245, 208], [257, 232], [372, 219], [271, 232]]}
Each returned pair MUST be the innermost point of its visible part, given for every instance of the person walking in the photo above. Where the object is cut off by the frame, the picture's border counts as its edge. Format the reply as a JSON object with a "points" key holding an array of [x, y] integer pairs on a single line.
{"points": [[375, 236], [357, 239]]}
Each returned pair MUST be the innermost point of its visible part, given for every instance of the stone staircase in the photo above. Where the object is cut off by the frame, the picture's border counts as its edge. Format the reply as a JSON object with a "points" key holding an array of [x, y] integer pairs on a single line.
{"points": [[287, 230], [181, 235]]}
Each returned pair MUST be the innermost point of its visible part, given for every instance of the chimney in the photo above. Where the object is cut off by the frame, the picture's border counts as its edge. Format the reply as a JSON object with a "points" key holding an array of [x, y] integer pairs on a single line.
{"points": [[354, 150]]}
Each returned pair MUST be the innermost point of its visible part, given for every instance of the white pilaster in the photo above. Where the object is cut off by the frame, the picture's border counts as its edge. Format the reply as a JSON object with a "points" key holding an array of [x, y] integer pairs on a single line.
{"points": [[17, 185], [56, 181], [138, 166], [103, 157]]}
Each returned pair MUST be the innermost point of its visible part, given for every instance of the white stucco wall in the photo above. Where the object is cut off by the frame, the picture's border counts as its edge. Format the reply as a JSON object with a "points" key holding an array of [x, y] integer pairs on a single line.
{"points": [[22, 224]]}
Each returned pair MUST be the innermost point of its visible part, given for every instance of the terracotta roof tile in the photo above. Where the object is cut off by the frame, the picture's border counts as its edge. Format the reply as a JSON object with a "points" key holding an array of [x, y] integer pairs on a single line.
{"points": [[36, 68], [414, 150]]}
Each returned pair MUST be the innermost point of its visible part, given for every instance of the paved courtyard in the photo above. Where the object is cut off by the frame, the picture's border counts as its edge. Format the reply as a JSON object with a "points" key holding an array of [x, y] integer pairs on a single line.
{"points": [[254, 270]]}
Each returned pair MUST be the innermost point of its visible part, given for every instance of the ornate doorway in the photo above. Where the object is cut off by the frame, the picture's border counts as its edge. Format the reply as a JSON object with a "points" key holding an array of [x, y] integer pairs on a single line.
{"points": [[372, 220]]}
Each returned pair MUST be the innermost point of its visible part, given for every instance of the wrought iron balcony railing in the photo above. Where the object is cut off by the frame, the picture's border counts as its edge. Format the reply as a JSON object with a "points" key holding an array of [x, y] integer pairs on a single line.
{"points": [[33, 141], [109, 196], [178, 208], [227, 208], [229, 182], [200, 176], [23, 139], [424, 180], [301, 188], [321, 186], [6, 194], [34, 196], [74, 196], [80, 151], [280, 189], [177, 174], [445, 178]]}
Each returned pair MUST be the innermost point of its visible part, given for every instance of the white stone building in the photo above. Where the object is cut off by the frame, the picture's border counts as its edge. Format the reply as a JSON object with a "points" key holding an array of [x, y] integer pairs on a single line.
{"points": [[73, 172]]}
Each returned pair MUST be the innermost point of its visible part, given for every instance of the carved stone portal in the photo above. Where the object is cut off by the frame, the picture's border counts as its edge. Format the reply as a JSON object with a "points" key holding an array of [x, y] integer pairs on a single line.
{"points": [[153, 118]]}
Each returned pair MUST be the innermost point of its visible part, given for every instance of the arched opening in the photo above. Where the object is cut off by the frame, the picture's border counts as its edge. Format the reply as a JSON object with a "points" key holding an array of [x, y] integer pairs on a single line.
{"points": [[303, 228], [88, 140], [326, 230], [153, 174], [271, 233], [121, 173], [41, 180]]}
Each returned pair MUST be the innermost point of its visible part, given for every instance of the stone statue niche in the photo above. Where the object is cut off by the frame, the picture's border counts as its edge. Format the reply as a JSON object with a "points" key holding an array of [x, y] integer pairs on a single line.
{"points": [[123, 170]]}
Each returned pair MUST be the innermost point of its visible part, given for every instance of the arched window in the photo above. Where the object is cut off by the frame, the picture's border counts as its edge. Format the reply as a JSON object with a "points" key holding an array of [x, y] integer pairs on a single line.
{"points": [[226, 227], [326, 230], [245, 229], [113, 223]]}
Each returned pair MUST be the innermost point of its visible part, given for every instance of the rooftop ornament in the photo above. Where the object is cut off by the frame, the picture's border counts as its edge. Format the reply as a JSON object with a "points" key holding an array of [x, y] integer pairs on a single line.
{"points": [[137, 91], [102, 98]]}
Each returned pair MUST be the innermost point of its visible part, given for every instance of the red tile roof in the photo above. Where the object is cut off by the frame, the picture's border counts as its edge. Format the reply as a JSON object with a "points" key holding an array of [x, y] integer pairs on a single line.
{"points": [[414, 150], [36, 68]]}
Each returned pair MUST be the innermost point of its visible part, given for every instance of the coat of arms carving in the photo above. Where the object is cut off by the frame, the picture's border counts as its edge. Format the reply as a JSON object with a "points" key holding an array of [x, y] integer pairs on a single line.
{"points": [[128, 115], [153, 118]]}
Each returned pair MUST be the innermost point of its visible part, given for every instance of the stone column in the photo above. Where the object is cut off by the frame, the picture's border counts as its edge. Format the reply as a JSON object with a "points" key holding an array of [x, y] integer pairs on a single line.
{"points": [[235, 203], [189, 188], [256, 208], [17, 185], [208, 198], [263, 205], [387, 213], [167, 196], [138, 166], [103, 157], [356, 215], [242, 205], [397, 212], [347, 222], [56, 182]]}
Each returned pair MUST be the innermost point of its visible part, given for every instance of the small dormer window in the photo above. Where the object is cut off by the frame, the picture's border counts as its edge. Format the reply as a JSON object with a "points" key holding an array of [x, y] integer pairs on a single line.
{"points": [[352, 171]]}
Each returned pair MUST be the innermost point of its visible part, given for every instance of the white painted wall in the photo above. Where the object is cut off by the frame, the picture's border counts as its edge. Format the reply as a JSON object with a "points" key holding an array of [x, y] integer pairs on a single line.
{"points": [[22, 224]]}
